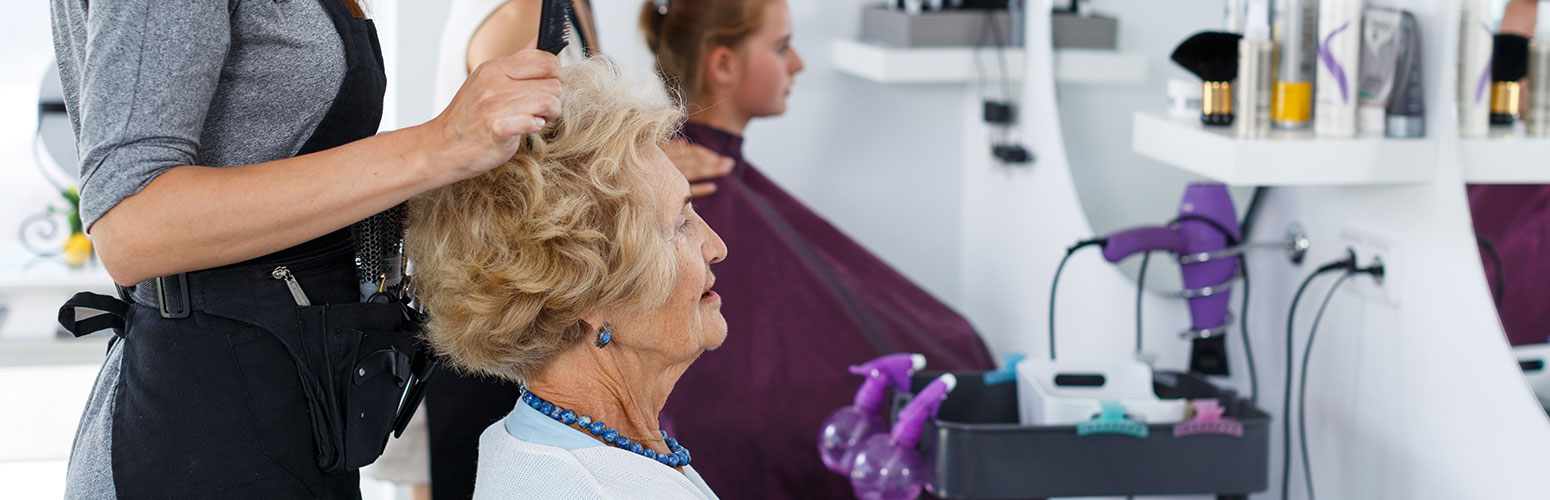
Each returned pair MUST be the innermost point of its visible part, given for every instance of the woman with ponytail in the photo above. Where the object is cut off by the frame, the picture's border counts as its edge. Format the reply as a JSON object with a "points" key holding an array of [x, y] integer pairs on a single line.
{"points": [[803, 300]]}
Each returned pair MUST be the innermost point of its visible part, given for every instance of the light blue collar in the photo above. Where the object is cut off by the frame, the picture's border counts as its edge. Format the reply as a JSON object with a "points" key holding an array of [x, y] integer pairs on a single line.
{"points": [[529, 425]]}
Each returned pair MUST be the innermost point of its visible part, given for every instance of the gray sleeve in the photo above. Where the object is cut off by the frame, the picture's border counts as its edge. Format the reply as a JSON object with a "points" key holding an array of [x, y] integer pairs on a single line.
{"points": [[149, 72]]}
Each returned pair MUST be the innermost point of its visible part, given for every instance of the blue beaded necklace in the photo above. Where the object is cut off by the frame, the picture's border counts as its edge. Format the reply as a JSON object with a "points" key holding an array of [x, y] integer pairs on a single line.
{"points": [[679, 457]]}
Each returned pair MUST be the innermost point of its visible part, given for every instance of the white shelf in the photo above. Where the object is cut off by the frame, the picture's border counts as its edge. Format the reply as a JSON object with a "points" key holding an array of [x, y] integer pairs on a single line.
{"points": [[1505, 158], [886, 64], [32, 288], [1283, 158], [25, 273]]}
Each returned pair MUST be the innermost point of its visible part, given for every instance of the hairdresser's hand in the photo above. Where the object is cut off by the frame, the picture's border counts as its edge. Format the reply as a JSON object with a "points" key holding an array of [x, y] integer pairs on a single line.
{"points": [[502, 100], [698, 164]]}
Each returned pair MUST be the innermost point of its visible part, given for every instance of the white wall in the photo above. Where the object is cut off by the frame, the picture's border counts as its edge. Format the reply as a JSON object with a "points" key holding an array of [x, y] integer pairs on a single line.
{"points": [[881, 162], [1395, 390], [26, 51]]}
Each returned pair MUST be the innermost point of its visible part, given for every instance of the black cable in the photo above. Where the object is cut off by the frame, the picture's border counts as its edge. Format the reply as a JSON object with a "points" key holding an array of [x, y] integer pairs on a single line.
{"points": [[1006, 80], [1501, 273], [1055, 285], [1140, 289], [1286, 401], [1302, 383], [990, 28], [1243, 330], [1375, 270], [1247, 226]]}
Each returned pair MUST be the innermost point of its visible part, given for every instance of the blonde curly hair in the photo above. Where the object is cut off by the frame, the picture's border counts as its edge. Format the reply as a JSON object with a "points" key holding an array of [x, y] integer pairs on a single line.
{"points": [[508, 263]]}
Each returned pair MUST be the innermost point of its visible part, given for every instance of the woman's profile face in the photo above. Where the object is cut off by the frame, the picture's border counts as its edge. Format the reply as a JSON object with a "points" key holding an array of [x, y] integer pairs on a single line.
{"points": [[690, 321], [769, 64]]}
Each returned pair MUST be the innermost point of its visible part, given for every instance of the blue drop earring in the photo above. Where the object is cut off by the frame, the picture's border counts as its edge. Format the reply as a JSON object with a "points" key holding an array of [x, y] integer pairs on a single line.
{"points": [[605, 334]]}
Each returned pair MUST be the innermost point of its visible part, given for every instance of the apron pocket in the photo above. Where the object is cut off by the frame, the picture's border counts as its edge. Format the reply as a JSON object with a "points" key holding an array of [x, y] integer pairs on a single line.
{"points": [[373, 390], [359, 357]]}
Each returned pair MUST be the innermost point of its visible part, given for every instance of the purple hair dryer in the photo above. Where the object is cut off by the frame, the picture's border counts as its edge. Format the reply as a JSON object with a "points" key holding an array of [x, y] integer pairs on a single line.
{"points": [[887, 466], [1205, 213], [847, 427]]}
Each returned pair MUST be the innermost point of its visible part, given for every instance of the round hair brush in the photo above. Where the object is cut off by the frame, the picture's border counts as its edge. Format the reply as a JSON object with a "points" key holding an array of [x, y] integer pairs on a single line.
{"points": [[1509, 64], [1212, 56]]}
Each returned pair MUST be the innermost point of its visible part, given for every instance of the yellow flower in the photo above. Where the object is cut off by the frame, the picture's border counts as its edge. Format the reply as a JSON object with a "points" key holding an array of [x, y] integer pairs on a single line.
{"points": [[77, 250]]}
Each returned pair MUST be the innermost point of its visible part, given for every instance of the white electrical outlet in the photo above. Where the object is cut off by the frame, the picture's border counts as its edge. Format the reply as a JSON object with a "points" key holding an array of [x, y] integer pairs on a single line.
{"points": [[1371, 249]]}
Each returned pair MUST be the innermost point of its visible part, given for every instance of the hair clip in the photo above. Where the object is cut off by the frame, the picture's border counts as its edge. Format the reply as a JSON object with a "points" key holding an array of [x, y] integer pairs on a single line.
{"points": [[1007, 372], [1208, 420], [661, 6], [1112, 421]]}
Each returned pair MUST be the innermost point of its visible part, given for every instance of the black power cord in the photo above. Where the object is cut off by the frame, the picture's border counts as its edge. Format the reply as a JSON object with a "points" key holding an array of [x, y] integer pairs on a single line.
{"points": [[1140, 292], [1055, 284], [1501, 273], [1376, 271], [1302, 384], [1348, 266], [1286, 401]]}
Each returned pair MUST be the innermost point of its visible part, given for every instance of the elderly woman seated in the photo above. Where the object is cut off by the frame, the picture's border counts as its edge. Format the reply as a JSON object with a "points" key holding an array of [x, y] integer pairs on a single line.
{"points": [[580, 270]]}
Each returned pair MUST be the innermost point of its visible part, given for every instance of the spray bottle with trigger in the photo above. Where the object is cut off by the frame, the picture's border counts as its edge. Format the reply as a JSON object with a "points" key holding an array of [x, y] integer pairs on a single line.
{"points": [[845, 429], [887, 466]]}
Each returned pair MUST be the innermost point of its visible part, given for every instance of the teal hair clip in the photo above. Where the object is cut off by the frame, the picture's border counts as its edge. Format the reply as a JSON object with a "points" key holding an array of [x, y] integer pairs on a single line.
{"points": [[1208, 420], [1112, 421], [1008, 370]]}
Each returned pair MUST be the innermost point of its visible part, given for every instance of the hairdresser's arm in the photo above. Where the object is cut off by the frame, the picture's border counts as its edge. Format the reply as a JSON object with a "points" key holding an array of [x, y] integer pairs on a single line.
{"points": [[194, 217], [1519, 16]]}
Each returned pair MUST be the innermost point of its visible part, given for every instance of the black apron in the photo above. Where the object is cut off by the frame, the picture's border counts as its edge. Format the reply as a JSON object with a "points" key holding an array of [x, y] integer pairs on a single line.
{"points": [[229, 388]]}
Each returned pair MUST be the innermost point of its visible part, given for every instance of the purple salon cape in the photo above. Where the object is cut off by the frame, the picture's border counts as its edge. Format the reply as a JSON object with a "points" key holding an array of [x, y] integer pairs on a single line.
{"points": [[802, 302], [1517, 220]]}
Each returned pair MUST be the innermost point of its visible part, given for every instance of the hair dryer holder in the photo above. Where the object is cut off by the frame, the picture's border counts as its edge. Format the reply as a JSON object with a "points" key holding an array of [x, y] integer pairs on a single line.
{"points": [[1295, 244]]}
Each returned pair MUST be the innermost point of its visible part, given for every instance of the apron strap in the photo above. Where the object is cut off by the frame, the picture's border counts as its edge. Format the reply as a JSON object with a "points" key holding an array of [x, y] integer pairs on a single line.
{"points": [[88, 313]]}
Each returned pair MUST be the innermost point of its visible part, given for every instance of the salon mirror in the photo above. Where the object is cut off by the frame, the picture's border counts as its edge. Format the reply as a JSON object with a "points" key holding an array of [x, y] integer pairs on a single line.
{"points": [[1119, 188], [44, 228], [56, 139], [1512, 228]]}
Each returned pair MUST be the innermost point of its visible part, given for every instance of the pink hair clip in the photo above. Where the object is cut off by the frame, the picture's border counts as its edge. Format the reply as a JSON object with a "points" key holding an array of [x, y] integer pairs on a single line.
{"points": [[1208, 420]]}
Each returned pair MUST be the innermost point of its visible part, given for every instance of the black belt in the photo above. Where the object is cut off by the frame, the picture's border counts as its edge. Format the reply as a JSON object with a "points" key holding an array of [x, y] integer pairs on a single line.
{"points": [[176, 296], [326, 272], [168, 294]]}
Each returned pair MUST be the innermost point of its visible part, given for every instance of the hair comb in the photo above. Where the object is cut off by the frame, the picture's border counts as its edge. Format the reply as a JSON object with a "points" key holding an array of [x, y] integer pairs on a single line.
{"points": [[554, 26]]}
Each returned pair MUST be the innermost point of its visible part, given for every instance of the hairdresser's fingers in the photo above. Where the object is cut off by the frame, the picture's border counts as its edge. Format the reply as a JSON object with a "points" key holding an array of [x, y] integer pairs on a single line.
{"points": [[702, 189], [528, 65], [483, 125], [697, 163], [527, 114]]}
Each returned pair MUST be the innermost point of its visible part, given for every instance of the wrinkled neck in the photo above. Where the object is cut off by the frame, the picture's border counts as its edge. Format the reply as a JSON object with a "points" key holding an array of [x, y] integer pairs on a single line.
{"points": [[624, 389]]}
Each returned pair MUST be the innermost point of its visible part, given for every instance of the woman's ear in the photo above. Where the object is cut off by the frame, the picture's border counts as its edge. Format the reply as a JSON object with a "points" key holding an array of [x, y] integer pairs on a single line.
{"points": [[721, 68], [593, 321]]}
